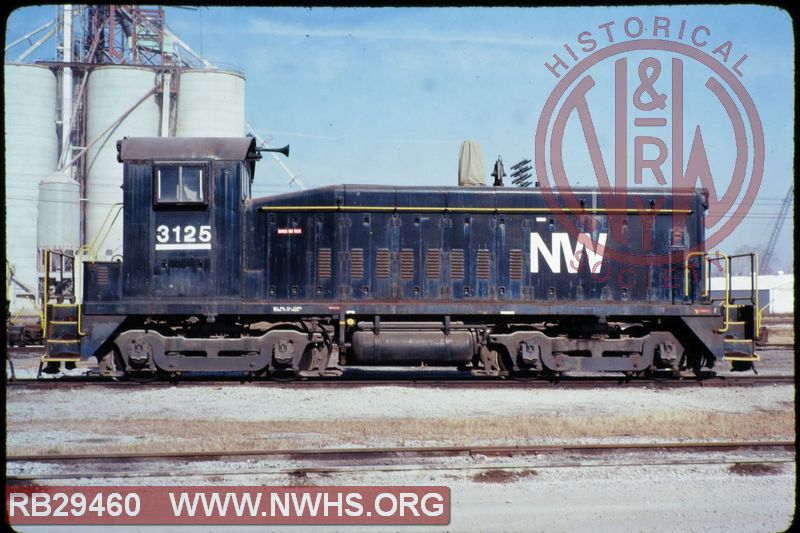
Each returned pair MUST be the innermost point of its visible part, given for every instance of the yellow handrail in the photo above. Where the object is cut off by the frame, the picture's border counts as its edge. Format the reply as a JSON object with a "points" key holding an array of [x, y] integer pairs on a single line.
{"points": [[104, 231], [81, 333], [46, 291], [79, 282], [686, 273], [78, 279], [727, 303]]}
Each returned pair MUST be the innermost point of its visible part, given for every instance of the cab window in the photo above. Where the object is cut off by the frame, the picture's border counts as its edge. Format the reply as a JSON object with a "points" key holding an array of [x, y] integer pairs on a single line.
{"points": [[183, 184], [246, 181]]}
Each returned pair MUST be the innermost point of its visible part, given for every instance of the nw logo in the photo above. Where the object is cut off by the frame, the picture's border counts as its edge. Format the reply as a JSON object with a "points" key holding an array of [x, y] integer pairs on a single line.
{"points": [[560, 246]]}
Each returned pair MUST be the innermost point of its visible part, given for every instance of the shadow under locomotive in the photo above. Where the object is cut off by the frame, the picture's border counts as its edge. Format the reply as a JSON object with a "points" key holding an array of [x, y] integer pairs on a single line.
{"points": [[477, 278]]}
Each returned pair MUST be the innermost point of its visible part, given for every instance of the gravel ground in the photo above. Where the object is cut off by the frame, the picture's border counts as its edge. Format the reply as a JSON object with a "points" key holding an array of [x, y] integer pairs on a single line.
{"points": [[194, 417], [251, 402]]}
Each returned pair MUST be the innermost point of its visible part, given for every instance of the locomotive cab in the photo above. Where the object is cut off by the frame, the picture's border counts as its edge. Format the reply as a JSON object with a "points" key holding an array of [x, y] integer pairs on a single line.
{"points": [[182, 219], [182, 212]]}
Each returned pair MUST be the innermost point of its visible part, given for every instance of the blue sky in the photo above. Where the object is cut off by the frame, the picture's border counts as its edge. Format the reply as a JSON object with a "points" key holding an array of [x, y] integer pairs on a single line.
{"points": [[387, 95]]}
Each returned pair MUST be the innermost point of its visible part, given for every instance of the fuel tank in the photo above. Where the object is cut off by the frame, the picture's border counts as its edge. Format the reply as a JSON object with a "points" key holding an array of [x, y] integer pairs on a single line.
{"points": [[411, 344]]}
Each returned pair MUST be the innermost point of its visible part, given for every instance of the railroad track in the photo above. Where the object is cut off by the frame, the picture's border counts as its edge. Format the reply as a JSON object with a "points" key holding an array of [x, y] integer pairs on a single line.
{"points": [[455, 382], [301, 462], [769, 347], [778, 320]]}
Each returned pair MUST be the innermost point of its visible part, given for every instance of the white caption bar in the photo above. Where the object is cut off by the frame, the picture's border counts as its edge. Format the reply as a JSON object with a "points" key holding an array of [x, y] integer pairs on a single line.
{"points": [[184, 246]]}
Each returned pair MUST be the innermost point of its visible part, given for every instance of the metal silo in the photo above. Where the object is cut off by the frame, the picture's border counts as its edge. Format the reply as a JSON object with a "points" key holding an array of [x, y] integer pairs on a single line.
{"points": [[59, 225], [210, 104], [31, 155], [121, 103]]}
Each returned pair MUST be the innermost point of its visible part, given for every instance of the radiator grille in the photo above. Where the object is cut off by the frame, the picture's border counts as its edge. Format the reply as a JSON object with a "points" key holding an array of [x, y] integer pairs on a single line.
{"points": [[357, 263], [457, 264], [324, 263], [515, 265], [382, 257], [484, 264], [433, 263], [407, 263], [102, 275]]}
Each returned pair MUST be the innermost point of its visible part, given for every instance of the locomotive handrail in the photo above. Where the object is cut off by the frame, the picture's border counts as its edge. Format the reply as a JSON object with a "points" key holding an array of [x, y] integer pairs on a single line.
{"points": [[104, 230], [82, 252], [686, 274], [727, 301], [46, 291], [75, 286], [754, 271], [754, 267], [439, 209]]}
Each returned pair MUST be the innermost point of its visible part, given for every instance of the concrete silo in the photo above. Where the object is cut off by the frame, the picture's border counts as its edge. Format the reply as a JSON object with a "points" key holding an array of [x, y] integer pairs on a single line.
{"points": [[31, 155], [210, 104], [121, 103]]}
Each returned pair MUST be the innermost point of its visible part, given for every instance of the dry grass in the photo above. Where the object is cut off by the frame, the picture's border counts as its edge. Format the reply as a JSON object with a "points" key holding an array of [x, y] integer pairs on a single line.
{"points": [[501, 476], [222, 435]]}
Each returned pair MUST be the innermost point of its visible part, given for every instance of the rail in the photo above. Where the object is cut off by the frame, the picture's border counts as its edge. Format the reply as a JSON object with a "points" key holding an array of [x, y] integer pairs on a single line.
{"points": [[458, 382], [422, 451]]}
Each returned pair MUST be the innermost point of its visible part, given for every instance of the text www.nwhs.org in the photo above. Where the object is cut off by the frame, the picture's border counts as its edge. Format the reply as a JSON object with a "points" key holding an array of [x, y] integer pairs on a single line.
{"points": [[229, 505]]}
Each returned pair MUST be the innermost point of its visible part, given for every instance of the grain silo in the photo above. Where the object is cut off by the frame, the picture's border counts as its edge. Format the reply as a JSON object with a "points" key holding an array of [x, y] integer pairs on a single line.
{"points": [[31, 155], [121, 103], [210, 104], [119, 71]]}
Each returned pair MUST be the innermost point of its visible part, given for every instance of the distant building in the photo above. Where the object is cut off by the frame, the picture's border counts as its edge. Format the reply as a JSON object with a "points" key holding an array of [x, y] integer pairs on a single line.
{"points": [[776, 291]]}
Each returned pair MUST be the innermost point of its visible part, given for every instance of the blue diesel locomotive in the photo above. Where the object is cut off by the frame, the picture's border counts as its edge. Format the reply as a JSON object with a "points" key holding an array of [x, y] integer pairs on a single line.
{"points": [[492, 280]]}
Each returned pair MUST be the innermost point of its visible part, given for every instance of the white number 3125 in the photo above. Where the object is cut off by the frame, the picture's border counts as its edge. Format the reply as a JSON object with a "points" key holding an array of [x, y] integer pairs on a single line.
{"points": [[183, 237]]}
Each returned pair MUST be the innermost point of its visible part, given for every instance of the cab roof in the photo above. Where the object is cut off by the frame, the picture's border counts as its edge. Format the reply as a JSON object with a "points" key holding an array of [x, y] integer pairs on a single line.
{"points": [[188, 149]]}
